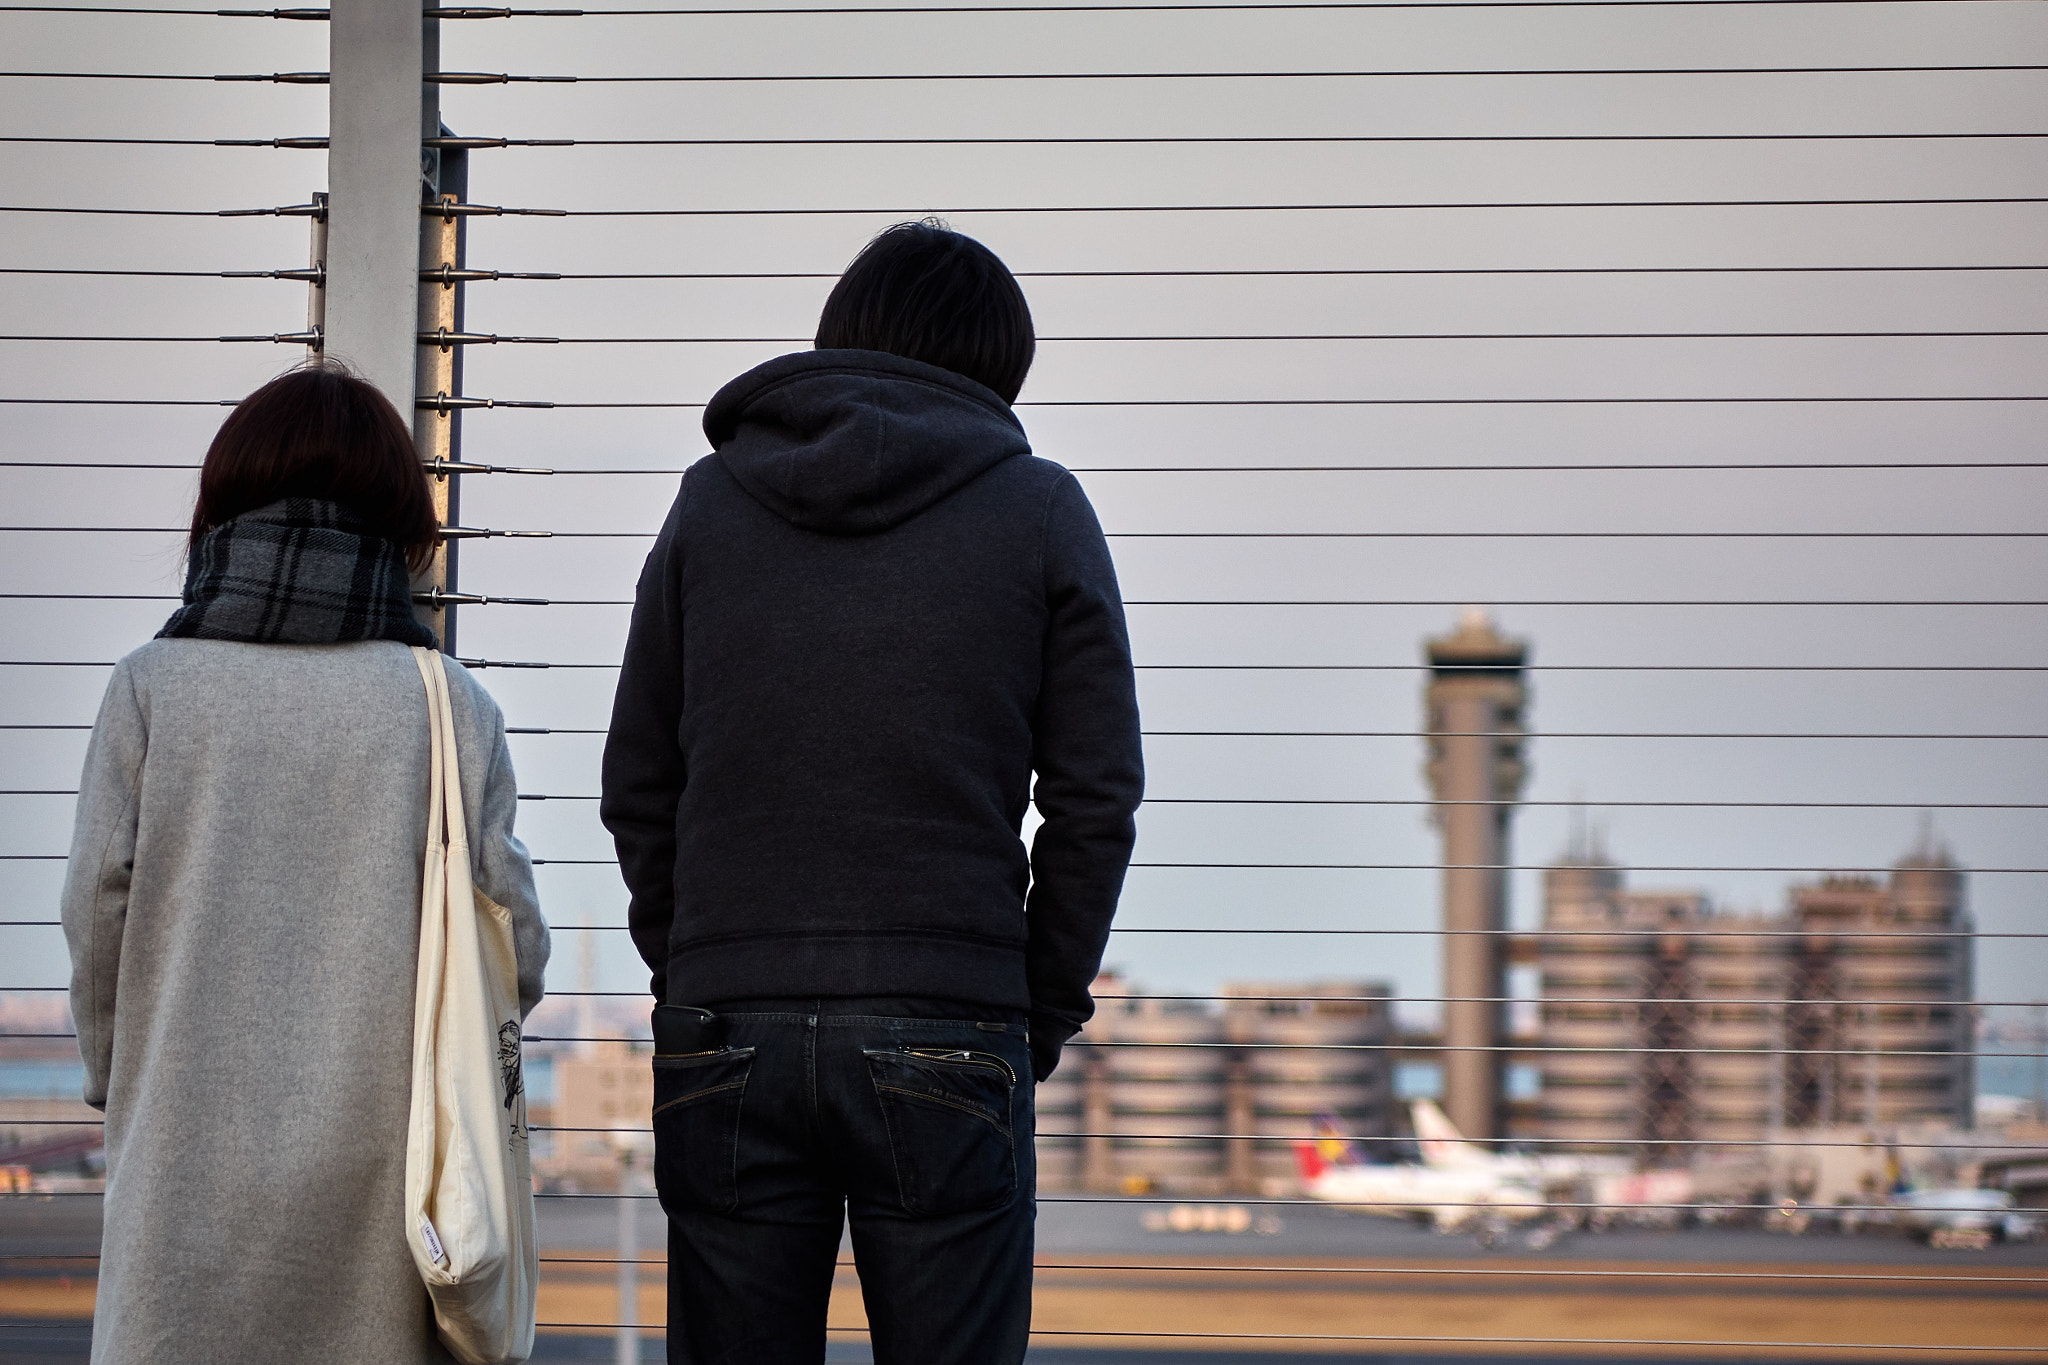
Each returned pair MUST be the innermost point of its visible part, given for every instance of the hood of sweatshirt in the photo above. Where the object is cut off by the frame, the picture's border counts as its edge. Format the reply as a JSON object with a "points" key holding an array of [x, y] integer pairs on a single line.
{"points": [[855, 442]]}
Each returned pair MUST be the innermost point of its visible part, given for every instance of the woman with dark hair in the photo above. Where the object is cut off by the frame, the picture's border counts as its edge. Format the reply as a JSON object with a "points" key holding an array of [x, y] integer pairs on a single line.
{"points": [[243, 902]]}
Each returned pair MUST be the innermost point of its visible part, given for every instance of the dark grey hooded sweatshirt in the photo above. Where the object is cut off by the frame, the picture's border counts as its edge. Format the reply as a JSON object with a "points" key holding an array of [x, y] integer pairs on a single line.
{"points": [[872, 618]]}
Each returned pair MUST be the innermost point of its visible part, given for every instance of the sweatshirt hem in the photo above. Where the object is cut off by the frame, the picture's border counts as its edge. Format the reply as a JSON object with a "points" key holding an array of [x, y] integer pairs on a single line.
{"points": [[901, 962]]}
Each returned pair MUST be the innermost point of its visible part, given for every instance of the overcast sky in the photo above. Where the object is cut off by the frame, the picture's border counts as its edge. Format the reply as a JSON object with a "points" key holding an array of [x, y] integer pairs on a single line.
{"points": [[962, 182]]}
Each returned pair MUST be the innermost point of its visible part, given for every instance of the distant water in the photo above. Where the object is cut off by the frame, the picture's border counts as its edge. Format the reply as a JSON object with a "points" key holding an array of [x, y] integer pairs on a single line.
{"points": [[41, 1079]]}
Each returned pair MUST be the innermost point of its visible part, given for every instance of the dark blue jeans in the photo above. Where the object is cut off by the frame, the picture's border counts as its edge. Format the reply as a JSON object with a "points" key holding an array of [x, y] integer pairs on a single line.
{"points": [[903, 1117]]}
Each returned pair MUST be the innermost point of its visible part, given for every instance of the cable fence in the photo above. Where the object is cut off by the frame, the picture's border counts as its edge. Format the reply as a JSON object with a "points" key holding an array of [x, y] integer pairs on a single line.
{"points": [[1610, 430]]}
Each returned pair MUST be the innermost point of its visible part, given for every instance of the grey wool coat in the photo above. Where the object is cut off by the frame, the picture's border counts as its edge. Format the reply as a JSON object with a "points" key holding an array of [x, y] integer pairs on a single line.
{"points": [[242, 907]]}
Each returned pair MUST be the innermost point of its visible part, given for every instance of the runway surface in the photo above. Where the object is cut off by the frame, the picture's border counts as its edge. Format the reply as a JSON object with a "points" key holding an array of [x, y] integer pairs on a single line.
{"points": [[1320, 1271]]}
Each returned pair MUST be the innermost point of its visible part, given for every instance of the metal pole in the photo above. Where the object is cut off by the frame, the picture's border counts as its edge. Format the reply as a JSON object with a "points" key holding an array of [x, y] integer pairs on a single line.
{"points": [[316, 288], [628, 1340], [434, 419], [376, 102]]}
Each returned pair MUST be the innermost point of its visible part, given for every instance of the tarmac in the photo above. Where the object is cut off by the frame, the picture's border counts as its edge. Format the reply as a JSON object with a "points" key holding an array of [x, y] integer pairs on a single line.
{"points": [[1317, 1274]]}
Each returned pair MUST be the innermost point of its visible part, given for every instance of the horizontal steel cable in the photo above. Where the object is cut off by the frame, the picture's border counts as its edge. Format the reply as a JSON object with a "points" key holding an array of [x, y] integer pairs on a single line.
{"points": [[495, 12], [1653, 400], [1917, 935], [490, 143], [1433, 1338], [1334, 602], [1799, 1144], [899, 212], [300, 276], [1268, 1200], [1359, 867], [1291, 274], [1684, 467], [1397, 1138], [1211, 1268], [1299, 668], [1395, 1045], [1260, 535], [888, 212], [493, 339], [1196, 1267], [926, 77], [1352, 801]]}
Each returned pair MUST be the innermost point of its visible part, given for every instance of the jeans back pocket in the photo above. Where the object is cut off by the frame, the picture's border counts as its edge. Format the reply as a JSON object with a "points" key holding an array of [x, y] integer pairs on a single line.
{"points": [[948, 1114], [697, 1128]]}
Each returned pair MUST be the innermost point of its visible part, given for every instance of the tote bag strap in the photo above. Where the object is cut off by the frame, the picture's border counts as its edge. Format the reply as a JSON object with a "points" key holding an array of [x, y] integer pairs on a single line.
{"points": [[440, 752], [447, 771]]}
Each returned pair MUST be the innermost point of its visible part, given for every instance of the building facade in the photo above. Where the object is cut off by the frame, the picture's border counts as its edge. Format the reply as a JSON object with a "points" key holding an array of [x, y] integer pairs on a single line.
{"points": [[1179, 1096], [1664, 1021]]}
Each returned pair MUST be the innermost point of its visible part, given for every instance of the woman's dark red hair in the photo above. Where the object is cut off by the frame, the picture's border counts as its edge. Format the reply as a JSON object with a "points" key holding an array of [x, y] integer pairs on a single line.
{"points": [[320, 432]]}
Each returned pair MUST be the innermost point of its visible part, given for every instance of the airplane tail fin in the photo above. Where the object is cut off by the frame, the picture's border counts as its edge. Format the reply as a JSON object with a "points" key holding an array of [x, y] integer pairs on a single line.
{"points": [[1441, 1142], [1309, 1160]]}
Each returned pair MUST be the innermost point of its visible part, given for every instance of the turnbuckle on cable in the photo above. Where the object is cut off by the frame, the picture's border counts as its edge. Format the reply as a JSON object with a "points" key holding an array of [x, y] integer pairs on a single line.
{"points": [[303, 144], [480, 12], [483, 533], [481, 143], [311, 338], [312, 274], [437, 599], [448, 276], [451, 210], [444, 402], [318, 211], [492, 78], [441, 469], [444, 338]]}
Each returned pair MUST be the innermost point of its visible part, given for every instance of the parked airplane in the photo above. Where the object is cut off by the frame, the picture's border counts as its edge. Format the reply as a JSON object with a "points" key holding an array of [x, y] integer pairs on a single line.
{"points": [[1460, 1183], [1607, 1181], [1453, 1195]]}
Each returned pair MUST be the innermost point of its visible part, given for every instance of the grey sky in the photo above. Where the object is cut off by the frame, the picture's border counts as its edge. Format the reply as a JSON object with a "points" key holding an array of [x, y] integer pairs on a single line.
{"points": [[955, 180]]}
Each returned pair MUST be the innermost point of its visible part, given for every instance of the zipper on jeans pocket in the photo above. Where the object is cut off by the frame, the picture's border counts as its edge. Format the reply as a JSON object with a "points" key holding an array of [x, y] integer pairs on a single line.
{"points": [[956, 1056]]}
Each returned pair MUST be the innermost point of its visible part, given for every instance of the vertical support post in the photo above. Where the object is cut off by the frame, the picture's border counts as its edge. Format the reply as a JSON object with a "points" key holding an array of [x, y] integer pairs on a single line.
{"points": [[316, 288], [434, 417], [626, 1346], [375, 103]]}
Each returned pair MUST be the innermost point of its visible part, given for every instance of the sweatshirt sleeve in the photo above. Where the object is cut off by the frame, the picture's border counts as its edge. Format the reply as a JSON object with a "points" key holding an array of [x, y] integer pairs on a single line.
{"points": [[1089, 762], [504, 871], [643, 757], [96, 879]]}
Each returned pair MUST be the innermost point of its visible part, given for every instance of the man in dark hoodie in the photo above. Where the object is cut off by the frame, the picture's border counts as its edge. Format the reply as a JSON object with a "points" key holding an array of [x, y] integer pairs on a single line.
{"points": [[873, 630]]}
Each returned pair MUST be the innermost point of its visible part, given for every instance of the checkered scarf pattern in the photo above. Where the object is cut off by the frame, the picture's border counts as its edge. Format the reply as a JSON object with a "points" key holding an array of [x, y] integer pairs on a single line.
{"points": [[297, 572]]}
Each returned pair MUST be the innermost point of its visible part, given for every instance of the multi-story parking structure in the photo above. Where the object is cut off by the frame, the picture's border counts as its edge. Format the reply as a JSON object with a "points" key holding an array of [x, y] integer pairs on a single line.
{"points": [[1164, 1093], [1685, 1025]]}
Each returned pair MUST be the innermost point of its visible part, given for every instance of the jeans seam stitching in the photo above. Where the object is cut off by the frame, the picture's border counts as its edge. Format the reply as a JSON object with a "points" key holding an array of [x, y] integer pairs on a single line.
{"points": [[996, 1124]]}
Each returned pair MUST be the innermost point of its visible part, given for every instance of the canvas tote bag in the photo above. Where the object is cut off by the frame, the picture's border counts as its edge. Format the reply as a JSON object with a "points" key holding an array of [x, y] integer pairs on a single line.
{"points": [[468, 1177]]}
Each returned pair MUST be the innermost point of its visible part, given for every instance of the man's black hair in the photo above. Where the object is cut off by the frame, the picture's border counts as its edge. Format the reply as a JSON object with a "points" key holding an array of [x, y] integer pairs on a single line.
{"points": [[925, 292]]}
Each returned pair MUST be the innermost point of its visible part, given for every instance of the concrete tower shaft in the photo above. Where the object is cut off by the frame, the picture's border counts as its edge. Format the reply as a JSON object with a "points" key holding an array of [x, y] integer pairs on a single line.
{"points": [[1474, 704]]}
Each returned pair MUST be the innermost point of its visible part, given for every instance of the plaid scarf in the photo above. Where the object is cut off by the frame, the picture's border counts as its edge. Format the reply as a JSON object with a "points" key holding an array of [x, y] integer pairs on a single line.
{"points": [[298, 572]]}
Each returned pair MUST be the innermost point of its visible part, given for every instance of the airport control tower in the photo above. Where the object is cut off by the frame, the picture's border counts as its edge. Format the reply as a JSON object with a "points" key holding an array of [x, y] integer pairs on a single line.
{"points": [[1474, 706]]}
